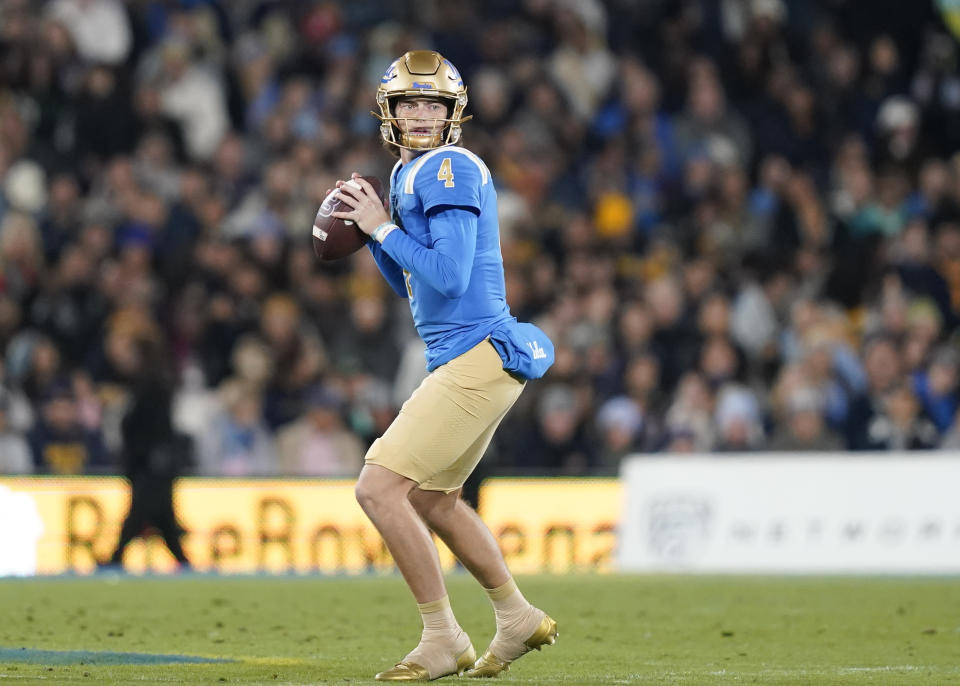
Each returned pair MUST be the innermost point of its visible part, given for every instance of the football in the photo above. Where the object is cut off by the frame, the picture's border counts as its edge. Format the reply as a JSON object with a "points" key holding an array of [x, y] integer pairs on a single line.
{"points": [[334, 238]]}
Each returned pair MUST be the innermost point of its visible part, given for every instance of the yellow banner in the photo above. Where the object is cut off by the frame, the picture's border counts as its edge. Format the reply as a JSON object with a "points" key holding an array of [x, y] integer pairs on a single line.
{"points": [[553, 525], [242, 526]]}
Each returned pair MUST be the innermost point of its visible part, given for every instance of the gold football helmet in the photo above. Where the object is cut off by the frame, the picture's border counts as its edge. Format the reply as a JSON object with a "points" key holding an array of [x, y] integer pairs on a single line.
{"points": [[423, 73]]}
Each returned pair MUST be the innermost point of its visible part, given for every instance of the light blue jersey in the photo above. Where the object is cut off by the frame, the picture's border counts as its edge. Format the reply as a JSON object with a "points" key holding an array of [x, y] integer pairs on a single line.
{"points": [[448, 251]]}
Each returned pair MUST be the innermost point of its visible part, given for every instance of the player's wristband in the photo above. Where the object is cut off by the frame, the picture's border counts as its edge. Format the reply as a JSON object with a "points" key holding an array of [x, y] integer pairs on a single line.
{"points": [[382, 231]]}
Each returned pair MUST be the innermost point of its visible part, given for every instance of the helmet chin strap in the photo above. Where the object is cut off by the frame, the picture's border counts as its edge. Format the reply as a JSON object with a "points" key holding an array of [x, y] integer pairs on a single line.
{"points": [[422, 141]]}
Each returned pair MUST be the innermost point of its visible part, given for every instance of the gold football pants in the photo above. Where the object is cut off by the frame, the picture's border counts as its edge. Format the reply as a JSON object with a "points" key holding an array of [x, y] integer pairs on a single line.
{"points": [[445, 427]]}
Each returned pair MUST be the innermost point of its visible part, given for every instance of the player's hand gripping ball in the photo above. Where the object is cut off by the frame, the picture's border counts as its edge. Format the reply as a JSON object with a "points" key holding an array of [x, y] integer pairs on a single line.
{"points": [[333, 237]]}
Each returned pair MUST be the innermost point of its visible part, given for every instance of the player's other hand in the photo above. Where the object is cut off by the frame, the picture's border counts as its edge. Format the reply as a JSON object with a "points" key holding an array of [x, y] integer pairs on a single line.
{"points": [[367, 212]]}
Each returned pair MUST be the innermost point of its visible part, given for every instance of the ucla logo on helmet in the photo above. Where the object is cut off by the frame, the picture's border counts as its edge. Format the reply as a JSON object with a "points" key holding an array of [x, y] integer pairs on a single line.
{"points": [[454, 75], [390, 74]]}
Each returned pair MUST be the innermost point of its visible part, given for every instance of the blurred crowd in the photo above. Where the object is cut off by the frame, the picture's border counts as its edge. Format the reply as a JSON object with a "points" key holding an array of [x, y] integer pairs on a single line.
{"points": [[739, 221]]}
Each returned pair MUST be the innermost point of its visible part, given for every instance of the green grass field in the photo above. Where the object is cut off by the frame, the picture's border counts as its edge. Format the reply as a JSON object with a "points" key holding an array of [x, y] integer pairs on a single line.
{"points": [[613, 630]]}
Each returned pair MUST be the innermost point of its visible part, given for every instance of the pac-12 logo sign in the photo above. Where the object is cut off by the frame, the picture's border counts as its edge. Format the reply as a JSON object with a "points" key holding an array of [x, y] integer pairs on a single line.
{"points": [[679, 526], [538, 352]]}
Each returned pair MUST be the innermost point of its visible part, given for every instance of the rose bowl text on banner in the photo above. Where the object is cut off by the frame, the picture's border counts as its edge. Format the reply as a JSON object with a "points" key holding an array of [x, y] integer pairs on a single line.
{"points": [[232, 526], [817, 513], [300, 526]]}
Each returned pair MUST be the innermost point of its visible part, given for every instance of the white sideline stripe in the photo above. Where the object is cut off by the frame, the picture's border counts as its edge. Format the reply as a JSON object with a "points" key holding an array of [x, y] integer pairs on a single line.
{"points": [[808, 672], [411, 177], [886, 668]]}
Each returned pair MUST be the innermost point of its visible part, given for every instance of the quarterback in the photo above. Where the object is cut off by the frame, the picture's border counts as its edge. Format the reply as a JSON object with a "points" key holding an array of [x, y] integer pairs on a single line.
{"points": [[440, 249]]}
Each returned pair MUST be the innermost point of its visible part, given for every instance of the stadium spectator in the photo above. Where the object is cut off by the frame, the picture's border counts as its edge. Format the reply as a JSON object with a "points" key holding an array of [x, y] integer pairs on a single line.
{"points": [[707, 126], [192, 96], [15, 457], [99, 28], [367, 344], [936, 387], [558, 441], [804, 428], [882, 363], [620, 422], [901, 423], [689, 419], [19, 410], [59, 441], [298, 359], [317, 444], [238, 442], [105, 125], [738, 420]]}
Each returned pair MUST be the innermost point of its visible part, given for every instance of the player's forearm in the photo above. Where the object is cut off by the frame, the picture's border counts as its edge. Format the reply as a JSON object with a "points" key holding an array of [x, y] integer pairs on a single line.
{"points": [[446, 266], [391, 271]]}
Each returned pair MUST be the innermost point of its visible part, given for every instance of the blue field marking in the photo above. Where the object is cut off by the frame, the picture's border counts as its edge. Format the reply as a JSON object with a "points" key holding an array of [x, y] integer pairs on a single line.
{"points": [[96, 657]]}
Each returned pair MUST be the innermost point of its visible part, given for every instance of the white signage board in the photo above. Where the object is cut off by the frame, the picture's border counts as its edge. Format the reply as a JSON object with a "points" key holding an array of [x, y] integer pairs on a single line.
{"points": [[20, 529], [798, 513]]}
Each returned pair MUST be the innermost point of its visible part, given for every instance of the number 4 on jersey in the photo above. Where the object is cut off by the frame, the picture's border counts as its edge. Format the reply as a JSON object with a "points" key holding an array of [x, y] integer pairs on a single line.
{"points": [[446, 173]]}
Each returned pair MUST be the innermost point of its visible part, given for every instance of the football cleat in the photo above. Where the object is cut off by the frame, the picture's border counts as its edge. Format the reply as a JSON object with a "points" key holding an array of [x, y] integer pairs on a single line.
{"points": [[404, 671], [491, 665], [411, 671]]}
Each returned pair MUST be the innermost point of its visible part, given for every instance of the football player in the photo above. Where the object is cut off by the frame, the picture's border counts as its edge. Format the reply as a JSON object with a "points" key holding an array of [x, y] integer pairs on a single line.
{"points": [[440, 249]]}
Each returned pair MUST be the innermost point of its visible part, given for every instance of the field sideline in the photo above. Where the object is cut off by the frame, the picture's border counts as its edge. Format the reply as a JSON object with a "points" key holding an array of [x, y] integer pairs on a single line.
{"points": [[677, 630]]}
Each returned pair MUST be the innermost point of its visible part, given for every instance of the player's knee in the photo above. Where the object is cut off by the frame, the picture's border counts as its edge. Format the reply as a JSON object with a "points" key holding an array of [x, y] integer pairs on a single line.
{"points": [[365, 495], [372, 491]]}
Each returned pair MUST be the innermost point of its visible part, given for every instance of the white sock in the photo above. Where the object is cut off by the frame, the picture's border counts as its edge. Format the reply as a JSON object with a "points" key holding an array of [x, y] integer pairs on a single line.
{"points": [[442, 641], [516, 617]]}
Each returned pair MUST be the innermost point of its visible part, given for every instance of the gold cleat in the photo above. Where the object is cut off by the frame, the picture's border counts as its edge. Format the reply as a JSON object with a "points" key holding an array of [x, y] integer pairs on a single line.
{"points": [[487, 666], [411, 671], [545, 635], [404, 671], [490, 665]]}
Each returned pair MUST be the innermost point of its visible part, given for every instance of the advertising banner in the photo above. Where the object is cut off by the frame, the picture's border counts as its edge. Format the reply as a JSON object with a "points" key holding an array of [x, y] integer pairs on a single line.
{"points": [[231, 525], [800, 513], [289, 526]]}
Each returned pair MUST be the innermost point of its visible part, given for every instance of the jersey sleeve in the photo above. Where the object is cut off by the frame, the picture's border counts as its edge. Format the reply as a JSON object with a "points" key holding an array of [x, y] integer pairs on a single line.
{"points": [[452, 179], [447, 266], [391, 271]]}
